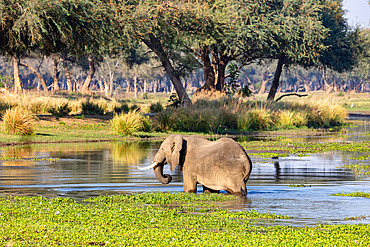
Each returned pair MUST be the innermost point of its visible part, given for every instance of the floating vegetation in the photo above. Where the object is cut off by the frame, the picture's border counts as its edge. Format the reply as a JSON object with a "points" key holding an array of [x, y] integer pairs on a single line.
{"points": [[13, 159], [355, 194], [299, 149], [358, 169], [361, 217], [157, 219], [298, 185], [363, 157]]}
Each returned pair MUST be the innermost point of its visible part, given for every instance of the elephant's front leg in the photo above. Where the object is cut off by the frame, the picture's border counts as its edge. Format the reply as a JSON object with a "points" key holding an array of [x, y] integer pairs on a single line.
{"points": [[190, 182]]}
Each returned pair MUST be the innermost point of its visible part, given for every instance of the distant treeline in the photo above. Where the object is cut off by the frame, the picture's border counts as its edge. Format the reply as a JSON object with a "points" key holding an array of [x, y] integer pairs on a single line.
{"points": [[149, 46]]}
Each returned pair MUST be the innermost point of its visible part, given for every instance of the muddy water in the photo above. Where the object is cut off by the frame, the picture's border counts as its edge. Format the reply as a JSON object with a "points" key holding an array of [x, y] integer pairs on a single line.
{"points": [[91, 169]]}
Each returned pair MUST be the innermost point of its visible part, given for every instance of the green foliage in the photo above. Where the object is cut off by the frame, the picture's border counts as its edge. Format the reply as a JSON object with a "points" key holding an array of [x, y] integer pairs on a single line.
{"points": [[20, 121], [231, 85], [6, 81], [157, 219], [174, 101]]}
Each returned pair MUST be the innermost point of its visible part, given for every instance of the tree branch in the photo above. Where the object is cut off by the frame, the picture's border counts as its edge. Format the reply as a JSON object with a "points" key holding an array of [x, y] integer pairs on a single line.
{"points": [[290, 94]]}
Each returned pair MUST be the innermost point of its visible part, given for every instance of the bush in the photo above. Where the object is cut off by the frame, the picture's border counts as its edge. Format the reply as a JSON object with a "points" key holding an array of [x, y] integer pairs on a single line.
{"points": [[156, 107], [61, 110], [20, 121], [129, 123], [122, 108], [90, 108]]}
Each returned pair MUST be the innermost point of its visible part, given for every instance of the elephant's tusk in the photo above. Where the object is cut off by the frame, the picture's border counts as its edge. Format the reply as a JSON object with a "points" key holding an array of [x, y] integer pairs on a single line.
{"points": [[148, 167]]}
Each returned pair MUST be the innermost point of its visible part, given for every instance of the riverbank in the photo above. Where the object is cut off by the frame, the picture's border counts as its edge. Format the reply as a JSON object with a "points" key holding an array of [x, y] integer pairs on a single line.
{"points": [[158, 219], [70, 129]]}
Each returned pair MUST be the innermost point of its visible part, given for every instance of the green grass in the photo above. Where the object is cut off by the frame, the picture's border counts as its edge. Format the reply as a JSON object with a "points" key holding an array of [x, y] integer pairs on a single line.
{"points": [[157, 219]]}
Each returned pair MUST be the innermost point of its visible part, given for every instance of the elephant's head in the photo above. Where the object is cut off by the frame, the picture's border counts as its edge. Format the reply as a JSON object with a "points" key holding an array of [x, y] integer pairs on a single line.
{"points": [[168, 153]]}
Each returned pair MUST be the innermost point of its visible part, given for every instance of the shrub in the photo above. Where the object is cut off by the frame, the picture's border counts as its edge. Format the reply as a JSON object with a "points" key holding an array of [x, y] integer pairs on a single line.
{"points": [[156, 107], [90, 108], [61, 110], [121, 108], [20, 121], [129, 123]]}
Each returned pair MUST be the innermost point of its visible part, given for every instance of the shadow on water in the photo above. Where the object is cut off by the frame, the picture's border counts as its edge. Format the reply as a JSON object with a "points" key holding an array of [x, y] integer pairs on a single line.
{"points": [[82, 170]]}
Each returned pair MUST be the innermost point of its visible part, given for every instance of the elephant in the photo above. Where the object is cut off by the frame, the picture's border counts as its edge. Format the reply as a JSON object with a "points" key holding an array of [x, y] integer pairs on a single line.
{"points": [[217, 165]]}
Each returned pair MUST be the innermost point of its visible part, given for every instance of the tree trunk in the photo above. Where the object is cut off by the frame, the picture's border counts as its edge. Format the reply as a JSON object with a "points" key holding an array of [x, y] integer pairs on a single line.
{"points": [[154, 44], [68, 74], [86, 86], [208, 71], [213, 69], [17, 79], [37, 74], [275, 81], [56, 74], [135, 86], [264, 83]]}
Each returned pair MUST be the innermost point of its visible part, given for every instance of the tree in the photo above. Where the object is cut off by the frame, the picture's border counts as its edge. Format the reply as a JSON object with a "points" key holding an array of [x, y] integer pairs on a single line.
{"points": [[317, 35], [161, 26], [296, 33]]}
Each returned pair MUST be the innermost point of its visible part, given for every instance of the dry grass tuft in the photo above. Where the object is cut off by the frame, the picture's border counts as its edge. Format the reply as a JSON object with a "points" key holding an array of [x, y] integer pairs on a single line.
{"points": [[19, 120]]}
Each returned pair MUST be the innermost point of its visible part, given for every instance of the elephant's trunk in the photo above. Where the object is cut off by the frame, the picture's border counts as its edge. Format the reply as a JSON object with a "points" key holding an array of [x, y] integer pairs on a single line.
{"points": [[163, 178]]}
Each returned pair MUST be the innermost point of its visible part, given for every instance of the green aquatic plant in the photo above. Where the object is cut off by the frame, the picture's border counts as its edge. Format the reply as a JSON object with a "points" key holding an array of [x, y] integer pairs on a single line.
{"points": [[298, 185], [28, 159], [157, 219], [358, 169], [355, 194]]}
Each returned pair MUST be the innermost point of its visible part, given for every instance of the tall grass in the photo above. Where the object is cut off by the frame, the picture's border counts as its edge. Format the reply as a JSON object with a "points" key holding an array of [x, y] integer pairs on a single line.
{"points": [[20, 121], [206, 115], [230, 113], [129, 123]]}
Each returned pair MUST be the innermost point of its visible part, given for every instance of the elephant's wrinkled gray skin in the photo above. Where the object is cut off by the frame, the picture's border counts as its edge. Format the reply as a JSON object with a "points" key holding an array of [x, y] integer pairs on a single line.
{"points": [[217, 165]]}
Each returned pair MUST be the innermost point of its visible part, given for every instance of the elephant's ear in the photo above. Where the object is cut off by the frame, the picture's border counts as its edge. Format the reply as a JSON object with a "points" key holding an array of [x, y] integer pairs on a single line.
{"points": [[176, 146]]}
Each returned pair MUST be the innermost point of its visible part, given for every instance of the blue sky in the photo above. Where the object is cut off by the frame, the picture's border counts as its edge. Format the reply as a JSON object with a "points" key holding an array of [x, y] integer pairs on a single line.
{"points": [[358, 12]]}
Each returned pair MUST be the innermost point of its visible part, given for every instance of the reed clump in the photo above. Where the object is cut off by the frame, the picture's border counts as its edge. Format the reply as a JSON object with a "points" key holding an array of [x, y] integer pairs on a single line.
{"points": [[129, 123], [19, 120], [227, 113]]}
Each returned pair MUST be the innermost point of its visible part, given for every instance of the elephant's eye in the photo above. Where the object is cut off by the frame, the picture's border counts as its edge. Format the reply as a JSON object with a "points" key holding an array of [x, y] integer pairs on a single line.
{"points": [[173, 147]]}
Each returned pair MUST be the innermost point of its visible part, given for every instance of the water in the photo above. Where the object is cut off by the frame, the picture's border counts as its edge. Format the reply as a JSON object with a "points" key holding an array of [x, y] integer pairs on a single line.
{"points": [[82, 170]]}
